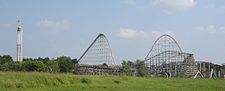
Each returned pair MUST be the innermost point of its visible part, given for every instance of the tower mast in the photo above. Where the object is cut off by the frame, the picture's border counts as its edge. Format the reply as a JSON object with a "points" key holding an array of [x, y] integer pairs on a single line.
{"points": [[19, 46]]}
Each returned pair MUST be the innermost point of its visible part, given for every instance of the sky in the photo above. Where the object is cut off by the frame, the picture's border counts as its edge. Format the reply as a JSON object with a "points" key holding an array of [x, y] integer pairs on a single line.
{"points": [[53, 28]]}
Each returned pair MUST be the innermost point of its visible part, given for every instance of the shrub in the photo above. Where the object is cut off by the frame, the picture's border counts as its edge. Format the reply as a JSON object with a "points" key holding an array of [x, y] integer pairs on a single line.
{"points": [[85, 80], [117, 82], [65, 64], [34, 66]]}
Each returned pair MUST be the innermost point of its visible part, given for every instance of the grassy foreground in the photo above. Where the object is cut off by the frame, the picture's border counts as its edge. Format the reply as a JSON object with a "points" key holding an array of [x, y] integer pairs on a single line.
{"points": [[23, 81]]}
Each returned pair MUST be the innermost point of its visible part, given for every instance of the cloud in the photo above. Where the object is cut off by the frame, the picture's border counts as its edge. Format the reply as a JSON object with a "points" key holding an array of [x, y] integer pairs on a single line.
{"points": [[130, 2], [157, 34], [54, 25], [128, 33], [210, 29], [171, 6]]}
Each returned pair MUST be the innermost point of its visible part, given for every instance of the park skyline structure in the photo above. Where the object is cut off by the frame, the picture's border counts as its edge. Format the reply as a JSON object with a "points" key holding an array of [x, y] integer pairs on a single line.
{"points": [[19, 46]]}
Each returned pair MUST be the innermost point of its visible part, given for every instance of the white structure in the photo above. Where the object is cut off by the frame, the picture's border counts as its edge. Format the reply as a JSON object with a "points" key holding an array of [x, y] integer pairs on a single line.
{"points": [[19, 46]]}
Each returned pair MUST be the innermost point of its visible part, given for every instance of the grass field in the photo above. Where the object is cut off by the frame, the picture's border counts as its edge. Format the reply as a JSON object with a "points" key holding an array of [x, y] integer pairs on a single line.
{"points": [[24, 81]]}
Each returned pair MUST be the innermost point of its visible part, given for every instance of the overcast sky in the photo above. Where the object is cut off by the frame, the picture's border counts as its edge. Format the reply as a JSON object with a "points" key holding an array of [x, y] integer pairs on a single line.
{"points": [[67, 27]]}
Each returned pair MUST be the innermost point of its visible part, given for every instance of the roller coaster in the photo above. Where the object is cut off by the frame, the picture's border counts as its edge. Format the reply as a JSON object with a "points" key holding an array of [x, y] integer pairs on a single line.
{"points": [[98, 58], [165, 59]]}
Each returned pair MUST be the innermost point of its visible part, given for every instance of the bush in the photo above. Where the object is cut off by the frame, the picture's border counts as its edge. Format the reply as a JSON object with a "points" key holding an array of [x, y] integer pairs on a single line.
{"points": [[53, 66], [85, 80], [65, 64], [6, 62], [117, 82], [34, 66]]}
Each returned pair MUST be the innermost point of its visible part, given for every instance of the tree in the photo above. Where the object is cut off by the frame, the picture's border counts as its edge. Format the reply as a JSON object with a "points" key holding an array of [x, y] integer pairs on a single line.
{"points": [[141, 68], [46, 59], [131, 68], [53, 66], [34, 66], [5, 62], [5, 59], [28, 59], [65, 64], [127, 67], [16, 66], [104, 64]]}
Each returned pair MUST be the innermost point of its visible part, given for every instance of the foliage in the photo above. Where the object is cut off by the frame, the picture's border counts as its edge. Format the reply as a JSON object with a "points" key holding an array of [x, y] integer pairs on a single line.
{"points": [[104, 64], [117, 82], [134, 68], [34, 66], [5, 59], [61, 64], [6, 62], [141, 68], [53, 66], [65, 64], [16, 66], [127, 68], [85, 80]]}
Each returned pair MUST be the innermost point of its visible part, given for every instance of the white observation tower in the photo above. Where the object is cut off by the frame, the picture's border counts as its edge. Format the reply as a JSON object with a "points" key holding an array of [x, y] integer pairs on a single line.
{"points": [[19, 46]]}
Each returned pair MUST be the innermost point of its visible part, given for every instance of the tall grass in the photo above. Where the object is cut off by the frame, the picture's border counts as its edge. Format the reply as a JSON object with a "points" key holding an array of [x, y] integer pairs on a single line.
{"points": [[35, 81]]}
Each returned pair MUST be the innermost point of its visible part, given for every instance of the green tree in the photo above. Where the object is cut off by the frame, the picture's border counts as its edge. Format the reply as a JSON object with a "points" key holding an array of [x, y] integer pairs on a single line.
{"points": [[16, 66], [28, 59], [46, 60], [65, 64], [127, 67], [34, 66], [5, 59], [53, 66], [141, 68], [104, 64], [5, 62]]}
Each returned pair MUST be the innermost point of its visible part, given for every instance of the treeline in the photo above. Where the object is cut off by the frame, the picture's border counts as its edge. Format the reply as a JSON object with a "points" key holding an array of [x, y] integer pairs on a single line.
{"points": [[60, 64], [64, 64]]}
